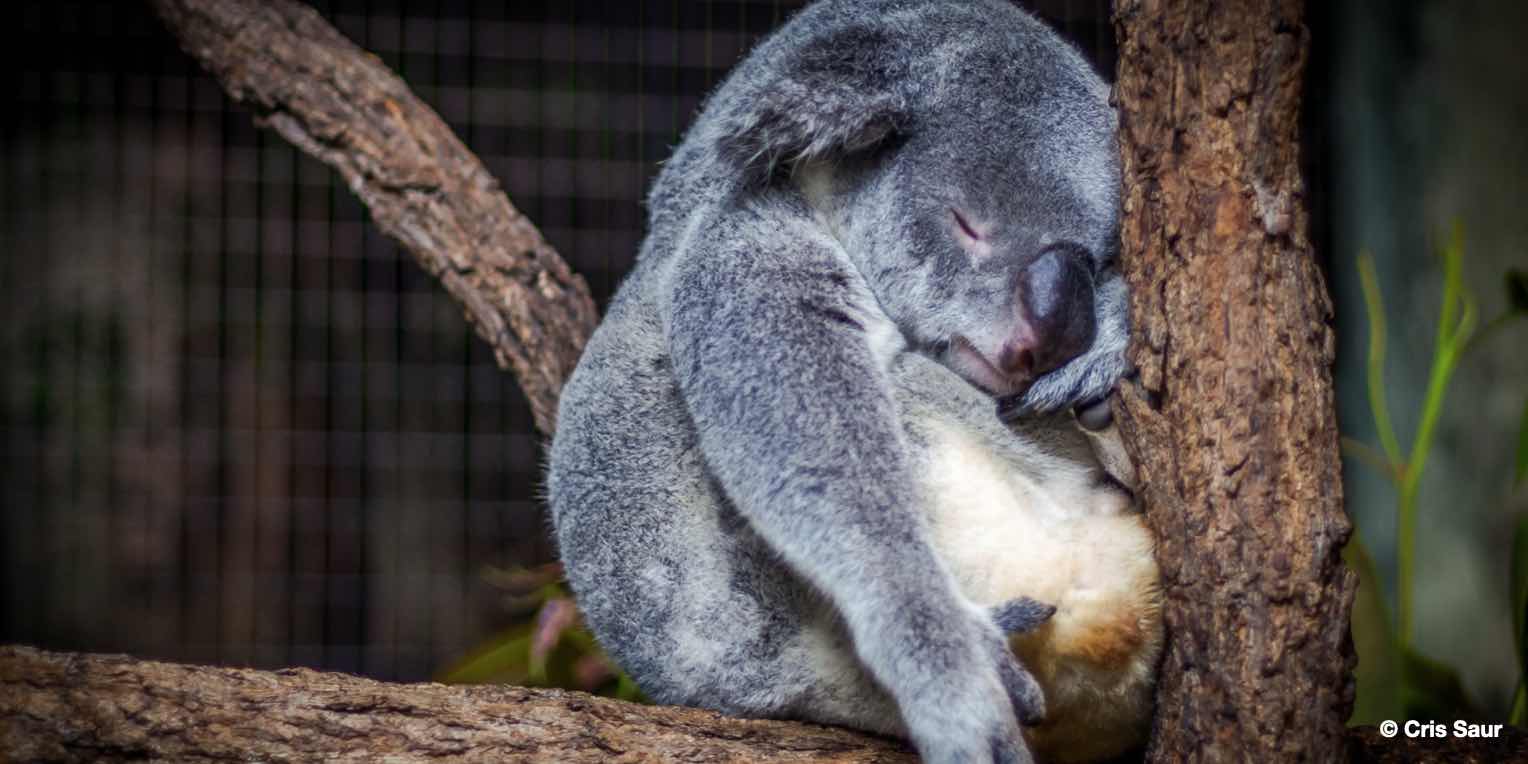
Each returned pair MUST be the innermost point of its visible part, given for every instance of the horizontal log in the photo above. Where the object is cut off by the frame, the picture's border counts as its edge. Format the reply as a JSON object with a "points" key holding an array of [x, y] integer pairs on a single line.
{"points": [[78, 707]]}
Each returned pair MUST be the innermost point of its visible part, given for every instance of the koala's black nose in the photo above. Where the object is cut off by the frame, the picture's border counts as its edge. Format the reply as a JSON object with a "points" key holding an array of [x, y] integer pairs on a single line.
{"points": [[1055, 303]]}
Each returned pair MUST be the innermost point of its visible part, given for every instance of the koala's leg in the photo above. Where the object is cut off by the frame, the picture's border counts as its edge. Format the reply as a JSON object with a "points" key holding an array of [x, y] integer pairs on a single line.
{"points": [[769, 336], [671, 580]]}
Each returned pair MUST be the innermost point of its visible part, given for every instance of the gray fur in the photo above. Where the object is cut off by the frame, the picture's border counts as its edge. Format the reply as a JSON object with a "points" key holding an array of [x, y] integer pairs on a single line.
{"points": [[732, 481]]}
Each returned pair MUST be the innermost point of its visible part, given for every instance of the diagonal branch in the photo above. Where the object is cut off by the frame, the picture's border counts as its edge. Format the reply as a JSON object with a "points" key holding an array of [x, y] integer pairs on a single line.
{"points": [[424, 189]]}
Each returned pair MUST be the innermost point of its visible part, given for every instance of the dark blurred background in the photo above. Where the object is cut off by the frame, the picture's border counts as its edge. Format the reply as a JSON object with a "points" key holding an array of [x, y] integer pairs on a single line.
{"points": [[239, 426]]}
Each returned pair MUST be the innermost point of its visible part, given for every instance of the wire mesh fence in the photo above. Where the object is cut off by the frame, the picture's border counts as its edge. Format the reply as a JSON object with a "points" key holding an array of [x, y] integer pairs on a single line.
{"points": [[236, 424]]}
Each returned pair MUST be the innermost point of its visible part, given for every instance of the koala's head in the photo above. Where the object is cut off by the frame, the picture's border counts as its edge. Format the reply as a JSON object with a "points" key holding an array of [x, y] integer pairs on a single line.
{"points": [[965, 156]]}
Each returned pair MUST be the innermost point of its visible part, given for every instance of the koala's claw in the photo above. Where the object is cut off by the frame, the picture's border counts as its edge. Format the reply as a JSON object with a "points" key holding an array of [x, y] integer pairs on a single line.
{"points": [[976, 709], [1003, 752], [1094, 415], [1084, 381], [1021, 615], [1024, 692]]}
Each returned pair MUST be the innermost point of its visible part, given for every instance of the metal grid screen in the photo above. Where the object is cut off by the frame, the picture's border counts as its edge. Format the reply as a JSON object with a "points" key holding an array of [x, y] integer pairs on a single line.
{"points": [[238, 425]]}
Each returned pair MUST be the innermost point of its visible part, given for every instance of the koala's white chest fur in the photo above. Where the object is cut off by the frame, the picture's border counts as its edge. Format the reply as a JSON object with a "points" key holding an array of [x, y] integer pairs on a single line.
{"points": [[1065, 540]]}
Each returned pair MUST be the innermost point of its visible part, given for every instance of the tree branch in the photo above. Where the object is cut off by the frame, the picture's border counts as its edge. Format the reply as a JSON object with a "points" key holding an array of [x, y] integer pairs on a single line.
{"points": [[423, 188], [71, 707]]}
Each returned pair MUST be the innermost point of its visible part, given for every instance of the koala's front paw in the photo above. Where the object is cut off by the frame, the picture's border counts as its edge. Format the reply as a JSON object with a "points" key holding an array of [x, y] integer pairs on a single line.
{"points": [[1021, 615], [972, 713], [1085, 380], [1023, 691]]}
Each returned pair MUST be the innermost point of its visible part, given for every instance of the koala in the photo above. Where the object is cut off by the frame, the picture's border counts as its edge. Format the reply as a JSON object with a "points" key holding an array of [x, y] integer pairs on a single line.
{"points": [[738, 493]]}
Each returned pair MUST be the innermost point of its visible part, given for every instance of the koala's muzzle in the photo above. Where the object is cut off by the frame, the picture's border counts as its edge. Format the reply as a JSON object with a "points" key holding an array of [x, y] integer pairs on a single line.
{"points": [[1055, 304]]}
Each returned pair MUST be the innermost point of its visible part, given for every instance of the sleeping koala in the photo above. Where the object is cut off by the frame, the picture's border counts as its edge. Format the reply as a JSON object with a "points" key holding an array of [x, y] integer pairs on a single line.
{"points": [[738, 493]]}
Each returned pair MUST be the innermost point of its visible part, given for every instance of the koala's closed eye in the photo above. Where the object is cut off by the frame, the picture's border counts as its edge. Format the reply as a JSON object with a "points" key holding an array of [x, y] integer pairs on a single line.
{"points": [[965, 226], [974, 237]]}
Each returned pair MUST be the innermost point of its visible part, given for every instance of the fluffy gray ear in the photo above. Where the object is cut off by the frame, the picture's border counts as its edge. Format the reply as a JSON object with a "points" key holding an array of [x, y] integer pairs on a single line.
{"points": [[831, 95]]}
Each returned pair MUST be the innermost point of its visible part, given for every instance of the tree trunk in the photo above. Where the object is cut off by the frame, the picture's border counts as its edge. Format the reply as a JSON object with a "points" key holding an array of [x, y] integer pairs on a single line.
{"points": [[1231, 420], [423, 188]]}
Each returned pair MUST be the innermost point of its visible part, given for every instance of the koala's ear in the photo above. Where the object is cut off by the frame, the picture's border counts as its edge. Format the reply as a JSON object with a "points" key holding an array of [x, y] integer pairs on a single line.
{"points": [[832, 95]]}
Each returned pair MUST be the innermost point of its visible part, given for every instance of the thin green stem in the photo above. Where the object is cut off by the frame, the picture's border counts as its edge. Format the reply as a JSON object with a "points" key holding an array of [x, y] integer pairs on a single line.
{"points": [[1375, 308], [1369, 455], [1453, 337], [1406, 539]]}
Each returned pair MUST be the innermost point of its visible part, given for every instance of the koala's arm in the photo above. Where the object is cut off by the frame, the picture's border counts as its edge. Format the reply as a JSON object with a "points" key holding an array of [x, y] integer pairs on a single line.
{"points": [[1091, 376], [776, 361]]}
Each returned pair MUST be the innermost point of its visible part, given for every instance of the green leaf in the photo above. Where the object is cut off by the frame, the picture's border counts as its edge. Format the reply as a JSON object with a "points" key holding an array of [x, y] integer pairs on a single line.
{"points": [[626, 689], [1379, 668], [504, 658]]}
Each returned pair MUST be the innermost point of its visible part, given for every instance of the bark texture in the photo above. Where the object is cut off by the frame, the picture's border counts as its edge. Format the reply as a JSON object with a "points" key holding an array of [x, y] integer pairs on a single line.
{"points": [[423, 188], [1232, 421], [69, 707]]}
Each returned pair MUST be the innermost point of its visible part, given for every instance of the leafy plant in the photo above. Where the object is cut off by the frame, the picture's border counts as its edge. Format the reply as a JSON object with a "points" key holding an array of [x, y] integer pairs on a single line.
{"points": [[547, 646], [1394, 679]]}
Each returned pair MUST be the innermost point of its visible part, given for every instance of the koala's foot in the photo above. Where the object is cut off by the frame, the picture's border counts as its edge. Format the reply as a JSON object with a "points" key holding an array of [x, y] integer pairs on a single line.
{"points": [[1021, 615], [1084, 381], [1094, 415], [970, 707]]}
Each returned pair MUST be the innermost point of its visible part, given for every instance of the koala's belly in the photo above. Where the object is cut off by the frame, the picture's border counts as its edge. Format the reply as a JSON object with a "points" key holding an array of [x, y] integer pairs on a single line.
{"points": [[1078, 547]]}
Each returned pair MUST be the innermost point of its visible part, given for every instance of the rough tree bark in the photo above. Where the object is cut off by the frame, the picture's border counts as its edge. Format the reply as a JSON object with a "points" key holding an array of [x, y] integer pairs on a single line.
{"points": [[423, 188], [57, 707], [1231, 421]]}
